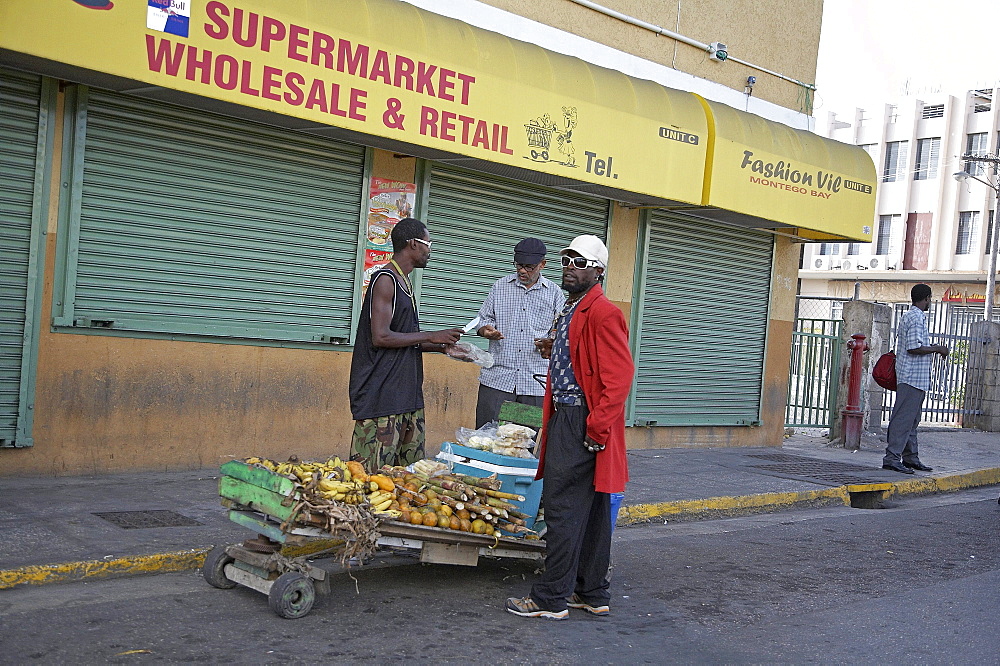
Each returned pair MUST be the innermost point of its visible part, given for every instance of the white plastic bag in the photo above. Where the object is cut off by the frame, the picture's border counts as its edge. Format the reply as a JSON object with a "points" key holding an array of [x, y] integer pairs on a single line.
{"points": [[468, 352]]}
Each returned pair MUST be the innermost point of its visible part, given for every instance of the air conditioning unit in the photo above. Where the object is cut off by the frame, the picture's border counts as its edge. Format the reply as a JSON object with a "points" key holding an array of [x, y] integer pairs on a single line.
{"points": [[865, 262], [825, 263], [883, 262]]}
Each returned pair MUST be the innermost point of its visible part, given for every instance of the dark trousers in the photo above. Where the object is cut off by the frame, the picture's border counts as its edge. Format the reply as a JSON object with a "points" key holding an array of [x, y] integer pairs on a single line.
{"points": [[491, 399], [901, 437], [578, 540]]}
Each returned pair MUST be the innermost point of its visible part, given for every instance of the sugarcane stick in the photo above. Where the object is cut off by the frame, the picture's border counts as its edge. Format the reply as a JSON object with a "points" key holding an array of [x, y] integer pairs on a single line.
{"points": [[491, 483], [456, 490], [498, 503], [457, 505], [516, 529], [485, 508], [475, 481], [518, 514], [499, 495], [516, 521], [444, 483]]}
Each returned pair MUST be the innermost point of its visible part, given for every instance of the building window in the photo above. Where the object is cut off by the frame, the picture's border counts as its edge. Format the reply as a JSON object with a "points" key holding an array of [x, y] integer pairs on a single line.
{"points": [[989, 234], [984, 100], [968, 223], [927, 158], [854, 248], [933, 111], [977, 144], [884, 233], [895, 161], [829, 249]]}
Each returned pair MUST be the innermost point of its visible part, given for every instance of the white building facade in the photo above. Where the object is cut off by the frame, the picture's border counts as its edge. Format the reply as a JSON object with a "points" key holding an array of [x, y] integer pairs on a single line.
{"points": [[928, 227]]}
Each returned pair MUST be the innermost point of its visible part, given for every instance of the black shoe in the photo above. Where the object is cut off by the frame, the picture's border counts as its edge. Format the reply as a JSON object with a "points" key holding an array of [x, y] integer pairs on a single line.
{"points": [[919, 466], [897, 467]]}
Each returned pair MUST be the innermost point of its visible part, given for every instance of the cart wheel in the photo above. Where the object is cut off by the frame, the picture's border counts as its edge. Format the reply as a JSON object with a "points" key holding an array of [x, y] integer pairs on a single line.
{"points": [[534, 154], [545, 155], [214, 569], [292, 595]]}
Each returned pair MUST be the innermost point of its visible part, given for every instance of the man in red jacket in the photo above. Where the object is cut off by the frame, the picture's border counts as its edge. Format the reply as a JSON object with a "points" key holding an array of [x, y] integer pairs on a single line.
{"points": [[582, 456]]}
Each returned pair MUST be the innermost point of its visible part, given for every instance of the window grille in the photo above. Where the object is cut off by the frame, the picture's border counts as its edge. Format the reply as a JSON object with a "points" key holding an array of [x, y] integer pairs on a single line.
{"points": [[885, 223], [976, 144], [933, 111], [968, 221], [895, 161], [927, 158]]}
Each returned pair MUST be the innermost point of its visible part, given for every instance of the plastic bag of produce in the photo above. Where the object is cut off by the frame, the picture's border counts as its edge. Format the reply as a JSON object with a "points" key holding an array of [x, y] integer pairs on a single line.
{"points": [[481, 439], [468, 352]]}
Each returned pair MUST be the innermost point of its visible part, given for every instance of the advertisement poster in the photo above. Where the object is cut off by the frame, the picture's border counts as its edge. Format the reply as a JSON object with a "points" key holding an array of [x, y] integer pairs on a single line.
{"points": [[389, 201]]}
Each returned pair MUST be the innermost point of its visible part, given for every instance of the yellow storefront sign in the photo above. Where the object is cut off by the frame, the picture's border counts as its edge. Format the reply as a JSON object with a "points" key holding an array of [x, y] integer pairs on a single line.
{"points": [[388, 69], [768, 170]]}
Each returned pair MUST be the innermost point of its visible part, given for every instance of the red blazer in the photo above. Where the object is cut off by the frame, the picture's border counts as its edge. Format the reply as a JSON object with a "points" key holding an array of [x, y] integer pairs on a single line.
{"points": [[602, 363]]}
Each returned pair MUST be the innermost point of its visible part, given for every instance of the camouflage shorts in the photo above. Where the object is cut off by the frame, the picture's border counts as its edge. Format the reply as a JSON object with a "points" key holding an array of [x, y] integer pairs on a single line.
{"points": [[397, 439]]}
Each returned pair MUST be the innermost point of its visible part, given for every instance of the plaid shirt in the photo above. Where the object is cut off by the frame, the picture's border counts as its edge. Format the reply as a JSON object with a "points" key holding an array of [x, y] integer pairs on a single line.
{"points": [[911, 333], [521, 314]]}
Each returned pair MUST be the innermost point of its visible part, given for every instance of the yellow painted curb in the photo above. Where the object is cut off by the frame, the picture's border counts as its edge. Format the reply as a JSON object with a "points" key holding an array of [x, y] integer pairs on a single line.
{"points": [[182, 560], [638, 513], [944, 484], [765, 502]]}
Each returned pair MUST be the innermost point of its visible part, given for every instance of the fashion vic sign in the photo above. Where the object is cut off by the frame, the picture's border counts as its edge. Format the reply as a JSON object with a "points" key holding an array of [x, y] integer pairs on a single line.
{"points": [[786, 176]]}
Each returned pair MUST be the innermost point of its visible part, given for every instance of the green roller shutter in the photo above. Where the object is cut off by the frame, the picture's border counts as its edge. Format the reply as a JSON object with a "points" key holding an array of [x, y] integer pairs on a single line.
{"points": [[20, 141], [475, 220], [191, 222], [702, 323]]}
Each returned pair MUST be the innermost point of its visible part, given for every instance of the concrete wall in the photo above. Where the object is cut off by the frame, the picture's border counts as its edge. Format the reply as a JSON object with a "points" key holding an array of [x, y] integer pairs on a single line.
{"points": [[982, 381], [871, 320], [780, 36]]}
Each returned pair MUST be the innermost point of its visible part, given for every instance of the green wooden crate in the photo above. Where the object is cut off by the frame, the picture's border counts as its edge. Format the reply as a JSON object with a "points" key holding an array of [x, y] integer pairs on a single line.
{"points": [[258, 476]]}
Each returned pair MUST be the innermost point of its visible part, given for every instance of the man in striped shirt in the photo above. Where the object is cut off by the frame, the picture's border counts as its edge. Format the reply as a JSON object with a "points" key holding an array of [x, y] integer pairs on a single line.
{"points": [[913, 377], [521, 307]]}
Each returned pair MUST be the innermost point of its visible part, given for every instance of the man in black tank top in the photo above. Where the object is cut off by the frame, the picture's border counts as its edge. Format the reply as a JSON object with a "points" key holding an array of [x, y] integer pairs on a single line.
{"points": [[387, 371]]}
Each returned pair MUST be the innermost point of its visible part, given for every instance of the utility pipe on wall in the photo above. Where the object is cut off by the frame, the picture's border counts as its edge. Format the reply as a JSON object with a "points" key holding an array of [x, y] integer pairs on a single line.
{"points": [[684, 40]]}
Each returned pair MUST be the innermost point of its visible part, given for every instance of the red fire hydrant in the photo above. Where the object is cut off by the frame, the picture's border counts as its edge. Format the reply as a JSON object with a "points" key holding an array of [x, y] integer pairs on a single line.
{"points": [[853, 416]]}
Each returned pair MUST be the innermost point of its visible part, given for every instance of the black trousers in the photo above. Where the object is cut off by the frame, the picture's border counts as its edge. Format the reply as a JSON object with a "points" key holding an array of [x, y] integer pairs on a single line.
{"points": [[578, 540], [491, 399]]}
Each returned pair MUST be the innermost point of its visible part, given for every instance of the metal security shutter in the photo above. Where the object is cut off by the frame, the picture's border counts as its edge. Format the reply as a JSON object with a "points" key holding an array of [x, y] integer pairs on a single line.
{"points": [[19, 126], [475, 220], [702, 325], [191, 222]]}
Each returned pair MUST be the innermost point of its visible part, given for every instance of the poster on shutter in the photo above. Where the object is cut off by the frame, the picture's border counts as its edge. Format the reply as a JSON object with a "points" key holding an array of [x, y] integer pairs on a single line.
{"points": [[389, 201]]}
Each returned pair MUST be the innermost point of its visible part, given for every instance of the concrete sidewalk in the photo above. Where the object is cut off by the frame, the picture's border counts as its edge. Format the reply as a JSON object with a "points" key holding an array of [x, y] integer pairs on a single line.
{"points": [[54, 531]]}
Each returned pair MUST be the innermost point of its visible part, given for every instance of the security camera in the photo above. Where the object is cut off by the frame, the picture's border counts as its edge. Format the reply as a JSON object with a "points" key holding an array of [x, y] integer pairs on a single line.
{"points": [[717, 51]]}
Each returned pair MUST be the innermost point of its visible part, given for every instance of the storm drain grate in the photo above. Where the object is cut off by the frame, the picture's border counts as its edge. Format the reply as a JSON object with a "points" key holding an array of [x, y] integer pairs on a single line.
{"points": [[778, 457], [137, 520]]}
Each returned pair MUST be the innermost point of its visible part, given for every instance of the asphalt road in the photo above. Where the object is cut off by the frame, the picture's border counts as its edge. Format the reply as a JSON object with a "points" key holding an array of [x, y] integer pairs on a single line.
{"points": [[918, 583]]}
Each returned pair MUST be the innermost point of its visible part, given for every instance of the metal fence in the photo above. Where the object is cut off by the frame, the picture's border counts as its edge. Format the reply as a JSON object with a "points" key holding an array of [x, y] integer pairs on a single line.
{"points": [[946, 402], [816, 349]]}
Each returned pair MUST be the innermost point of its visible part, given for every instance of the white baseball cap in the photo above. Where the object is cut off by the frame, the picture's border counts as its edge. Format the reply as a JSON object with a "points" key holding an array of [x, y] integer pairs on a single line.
{"points": [[590, 247]]}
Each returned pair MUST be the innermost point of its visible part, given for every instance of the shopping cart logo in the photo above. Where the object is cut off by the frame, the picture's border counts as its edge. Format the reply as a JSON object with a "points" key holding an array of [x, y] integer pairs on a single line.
{"points": [[543, 132]]}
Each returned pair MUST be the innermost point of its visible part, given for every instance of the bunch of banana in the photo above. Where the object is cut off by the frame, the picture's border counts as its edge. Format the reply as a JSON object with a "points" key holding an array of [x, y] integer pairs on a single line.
{"points": [[263, 462], [380, 499]]}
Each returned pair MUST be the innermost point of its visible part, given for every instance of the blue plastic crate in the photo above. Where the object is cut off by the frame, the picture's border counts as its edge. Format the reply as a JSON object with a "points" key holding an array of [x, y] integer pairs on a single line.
{"points": [[516, 474]]}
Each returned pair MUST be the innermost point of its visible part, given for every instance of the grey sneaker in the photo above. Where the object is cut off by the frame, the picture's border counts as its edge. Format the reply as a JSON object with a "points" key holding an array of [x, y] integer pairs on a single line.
{"points": [[576, 602], [526, 607]]}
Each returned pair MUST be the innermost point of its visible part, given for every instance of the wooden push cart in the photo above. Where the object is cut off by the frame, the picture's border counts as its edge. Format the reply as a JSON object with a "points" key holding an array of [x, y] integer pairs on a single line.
{"points": [[265, 503]]}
